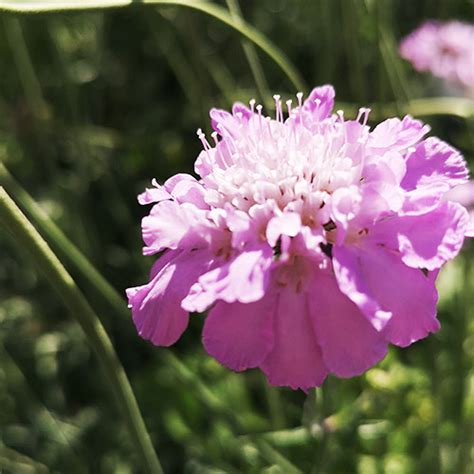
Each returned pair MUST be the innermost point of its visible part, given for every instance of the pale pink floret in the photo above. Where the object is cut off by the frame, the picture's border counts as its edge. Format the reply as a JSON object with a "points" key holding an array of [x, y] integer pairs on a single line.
{"points": [[312, 241], [444, 49]]}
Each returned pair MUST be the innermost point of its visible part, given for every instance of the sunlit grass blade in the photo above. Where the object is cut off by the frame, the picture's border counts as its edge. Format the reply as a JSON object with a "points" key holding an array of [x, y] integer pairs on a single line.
{"points": [[45, 261]]}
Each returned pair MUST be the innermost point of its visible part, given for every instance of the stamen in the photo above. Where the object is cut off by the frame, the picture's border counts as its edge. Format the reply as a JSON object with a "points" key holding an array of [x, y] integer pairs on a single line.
{"points": [[202, 138], [278, 110], [252, 105], [288, 106], [364, 115], [268, 120], [259, 110], [299, 96]]}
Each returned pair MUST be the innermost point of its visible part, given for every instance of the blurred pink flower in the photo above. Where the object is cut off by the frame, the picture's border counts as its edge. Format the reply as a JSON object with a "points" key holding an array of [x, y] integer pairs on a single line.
{"points": [[444, 49], [312, 241]]}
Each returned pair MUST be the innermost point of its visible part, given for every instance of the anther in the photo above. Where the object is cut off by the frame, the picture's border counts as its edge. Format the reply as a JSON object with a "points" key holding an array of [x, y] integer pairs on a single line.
{"points": [[252, 104], [203, 139], [299, 96], [279, 113], [364, 115]]}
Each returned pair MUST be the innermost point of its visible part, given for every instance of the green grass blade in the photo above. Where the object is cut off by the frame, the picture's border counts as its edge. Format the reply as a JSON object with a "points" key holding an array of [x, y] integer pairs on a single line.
{"points": [[28, 239], [215, 11]]}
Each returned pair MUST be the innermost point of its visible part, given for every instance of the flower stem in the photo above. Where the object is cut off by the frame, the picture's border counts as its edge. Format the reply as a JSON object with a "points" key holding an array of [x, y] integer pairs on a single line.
{"points": [[28, 238]]}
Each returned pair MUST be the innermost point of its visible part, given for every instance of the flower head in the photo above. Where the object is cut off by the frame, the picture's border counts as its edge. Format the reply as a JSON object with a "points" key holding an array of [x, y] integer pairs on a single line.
{"points": [[312, 241], [444, 49]]}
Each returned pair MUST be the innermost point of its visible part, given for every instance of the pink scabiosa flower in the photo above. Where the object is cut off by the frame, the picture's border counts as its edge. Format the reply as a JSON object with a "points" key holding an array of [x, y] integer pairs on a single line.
{"points": [[311, 241], [444, 49]]}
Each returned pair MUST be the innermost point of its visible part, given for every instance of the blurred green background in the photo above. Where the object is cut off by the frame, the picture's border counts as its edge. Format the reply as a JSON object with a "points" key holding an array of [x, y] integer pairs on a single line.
{"points": [[95, 104]]}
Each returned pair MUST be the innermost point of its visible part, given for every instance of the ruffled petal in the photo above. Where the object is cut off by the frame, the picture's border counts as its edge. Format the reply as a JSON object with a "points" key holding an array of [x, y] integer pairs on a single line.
{"points": [[240, 335], [395, 134], [426, 241], [156, 306], [295, 360], [416, 319], [171, 225], [349, 343], [243, 278], [434, 162], [395, 298]]}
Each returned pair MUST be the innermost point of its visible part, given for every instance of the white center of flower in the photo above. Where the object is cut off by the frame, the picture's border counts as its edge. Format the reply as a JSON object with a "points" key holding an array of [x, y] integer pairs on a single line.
{"points": [[262, 160], [288, 164]]}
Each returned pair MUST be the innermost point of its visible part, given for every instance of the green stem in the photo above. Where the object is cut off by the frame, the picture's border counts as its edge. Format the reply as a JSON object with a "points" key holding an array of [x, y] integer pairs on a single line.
{"points": [[215, 11], [28, 238]]}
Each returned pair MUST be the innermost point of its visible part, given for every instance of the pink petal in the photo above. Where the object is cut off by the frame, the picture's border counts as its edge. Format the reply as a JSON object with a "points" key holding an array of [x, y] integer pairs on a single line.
{"points": [[434, 162], [225, 123], [419, 317], [242, 111], [463, 194], [155, 194], [171, 225], [240, 335], [396, 134], [243, 278], [288, 223], [395, 298], [423, 199], [185, 188], [349, 343], [295, 360], [470, 227], [221, 117], [320, 102], [428, 240], [156, 306]]}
